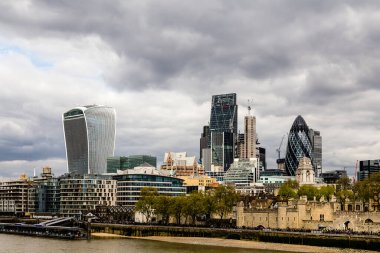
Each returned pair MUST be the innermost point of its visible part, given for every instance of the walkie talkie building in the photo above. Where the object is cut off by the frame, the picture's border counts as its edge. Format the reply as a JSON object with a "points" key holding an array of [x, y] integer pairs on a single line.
{"points": [[89, 138]]}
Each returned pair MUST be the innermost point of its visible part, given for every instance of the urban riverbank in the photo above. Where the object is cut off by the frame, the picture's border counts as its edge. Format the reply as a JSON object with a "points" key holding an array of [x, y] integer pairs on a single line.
{"points": [[277, 237]]}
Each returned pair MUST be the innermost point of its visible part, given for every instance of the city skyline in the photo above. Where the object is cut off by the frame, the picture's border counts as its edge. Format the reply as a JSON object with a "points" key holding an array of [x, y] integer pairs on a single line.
{"points": [[159, 63]]}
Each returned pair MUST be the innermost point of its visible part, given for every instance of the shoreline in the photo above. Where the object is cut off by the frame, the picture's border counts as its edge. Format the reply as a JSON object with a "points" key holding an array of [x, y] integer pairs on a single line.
{"points": [[243, 244]]}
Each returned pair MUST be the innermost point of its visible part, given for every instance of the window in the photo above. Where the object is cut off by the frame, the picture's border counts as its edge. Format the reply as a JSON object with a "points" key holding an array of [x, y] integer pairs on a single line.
{"points": [[322, 217]]}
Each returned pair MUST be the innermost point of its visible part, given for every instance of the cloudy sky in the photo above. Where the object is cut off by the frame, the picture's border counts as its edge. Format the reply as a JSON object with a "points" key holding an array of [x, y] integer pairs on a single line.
{"points": [[159, 62]]}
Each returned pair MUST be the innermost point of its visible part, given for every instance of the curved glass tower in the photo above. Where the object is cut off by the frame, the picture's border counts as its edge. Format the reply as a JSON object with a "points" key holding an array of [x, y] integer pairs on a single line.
{"points": [[89, 138], [299, 145]]}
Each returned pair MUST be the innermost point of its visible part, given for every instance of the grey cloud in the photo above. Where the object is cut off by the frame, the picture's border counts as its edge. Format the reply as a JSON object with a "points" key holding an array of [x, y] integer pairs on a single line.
{"points": [[314, 58]]}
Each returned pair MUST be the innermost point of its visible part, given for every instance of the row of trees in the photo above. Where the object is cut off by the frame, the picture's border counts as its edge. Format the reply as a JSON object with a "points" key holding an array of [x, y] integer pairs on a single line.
{"points": [[291, 189], [219, 201], [365, 190]]}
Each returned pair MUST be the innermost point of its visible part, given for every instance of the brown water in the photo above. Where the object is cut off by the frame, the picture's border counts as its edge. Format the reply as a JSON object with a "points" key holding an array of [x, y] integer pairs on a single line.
{"points": [[17, 243]]}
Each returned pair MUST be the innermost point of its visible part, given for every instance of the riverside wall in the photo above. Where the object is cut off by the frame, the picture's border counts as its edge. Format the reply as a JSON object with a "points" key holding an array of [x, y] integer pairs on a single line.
{"points": [[367, 242]]}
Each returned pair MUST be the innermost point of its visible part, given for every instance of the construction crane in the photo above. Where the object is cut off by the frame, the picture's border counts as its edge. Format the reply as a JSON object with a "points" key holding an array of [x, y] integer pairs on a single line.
{"points": [[279, 148]]}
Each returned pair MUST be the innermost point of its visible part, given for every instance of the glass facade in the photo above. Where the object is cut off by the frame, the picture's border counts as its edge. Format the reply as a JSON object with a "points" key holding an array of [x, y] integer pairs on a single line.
{"points": [[367, 168], [299, 145], [129, 162], [129, 187], [90, 138], [242, 173], [223, 129]]}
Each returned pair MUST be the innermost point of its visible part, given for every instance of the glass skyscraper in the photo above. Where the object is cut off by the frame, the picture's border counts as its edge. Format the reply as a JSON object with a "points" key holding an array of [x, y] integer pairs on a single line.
{"points": [[299, 145], [223, 129], [90, 138]]}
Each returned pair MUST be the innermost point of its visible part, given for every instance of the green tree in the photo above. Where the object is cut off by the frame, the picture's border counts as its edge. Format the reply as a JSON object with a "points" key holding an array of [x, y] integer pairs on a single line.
{"points": [[326, 191], [209, 204], [177, 208], [286, 192], [194, 205], [225, 199], [343, 183], [162, 206], [292, 184], [343, 195], [309, 191], [369, 189], [145, 204]]}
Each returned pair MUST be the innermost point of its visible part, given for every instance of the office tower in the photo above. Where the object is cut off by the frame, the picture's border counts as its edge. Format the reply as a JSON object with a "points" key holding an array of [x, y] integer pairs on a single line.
{"points": [[223, 130], [316, 142], [249, 145], [299, 145], [261, 155], [89, 137], [368, 168], [204, 141]]}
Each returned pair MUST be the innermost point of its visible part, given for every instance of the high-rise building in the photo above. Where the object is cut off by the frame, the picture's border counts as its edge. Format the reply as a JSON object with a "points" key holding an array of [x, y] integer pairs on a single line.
{"points": [[223, 130], [316, 142], [249, 144], [299, 146], [89, 137], [368, 168], [204, 141]]}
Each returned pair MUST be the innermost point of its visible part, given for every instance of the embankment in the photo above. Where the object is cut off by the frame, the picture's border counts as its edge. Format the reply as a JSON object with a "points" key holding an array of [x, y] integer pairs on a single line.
{"points": [[325, 240]]}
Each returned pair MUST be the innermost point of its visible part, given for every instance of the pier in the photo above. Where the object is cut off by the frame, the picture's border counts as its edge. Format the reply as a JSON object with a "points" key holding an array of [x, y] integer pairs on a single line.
{"points": [[51, 228]]}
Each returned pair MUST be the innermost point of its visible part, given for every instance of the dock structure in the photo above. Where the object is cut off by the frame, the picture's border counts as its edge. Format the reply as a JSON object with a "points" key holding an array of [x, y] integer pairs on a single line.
{"points": [[46, 229]]}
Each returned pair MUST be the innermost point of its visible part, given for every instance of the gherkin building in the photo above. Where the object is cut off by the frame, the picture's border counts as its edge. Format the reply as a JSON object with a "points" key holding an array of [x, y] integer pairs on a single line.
{"points": [[299, 145]]}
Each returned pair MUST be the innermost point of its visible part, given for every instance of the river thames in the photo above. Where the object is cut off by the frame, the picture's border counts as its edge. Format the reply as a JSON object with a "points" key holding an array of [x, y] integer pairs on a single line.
{"points": [[17, 243]]}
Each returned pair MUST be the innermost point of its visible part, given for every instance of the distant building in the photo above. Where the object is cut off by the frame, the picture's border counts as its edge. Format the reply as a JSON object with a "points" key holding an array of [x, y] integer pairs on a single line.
{"points": [[301, 145], [271, 183], [16, 196], [316, 142], [222, 131], [272, 173], [249, 145], [261, 155], [81, 194], [180, 164], [46, 192], [242, 172], [204, 141], [116, 163], [308, 215], [89, 137], [305, 172], [199, 183], [367, 168], [331, 177], [130, 182]]}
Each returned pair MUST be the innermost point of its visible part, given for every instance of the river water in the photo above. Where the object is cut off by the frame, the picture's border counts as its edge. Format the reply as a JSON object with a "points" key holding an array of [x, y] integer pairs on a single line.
{"points": [[18, 243]]}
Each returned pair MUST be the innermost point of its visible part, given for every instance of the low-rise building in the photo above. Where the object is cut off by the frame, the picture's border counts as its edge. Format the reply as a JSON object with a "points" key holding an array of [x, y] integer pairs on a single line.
{"points": [[198, 183], [16, 196], [179, 164], [116, 163], [331, 177], [242, 172], [81, 194], [130, 183], [309, 215]]}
